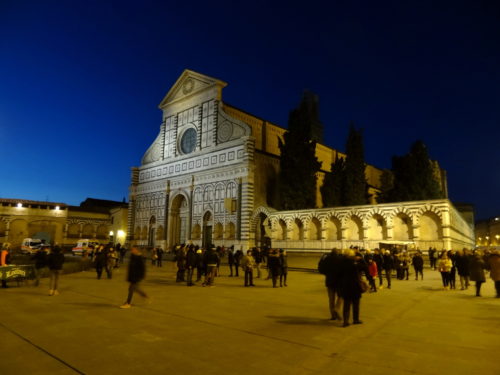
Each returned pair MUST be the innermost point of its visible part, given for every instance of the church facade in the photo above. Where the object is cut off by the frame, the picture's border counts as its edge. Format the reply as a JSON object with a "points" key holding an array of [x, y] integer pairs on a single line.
{"points": [[209, 178]]}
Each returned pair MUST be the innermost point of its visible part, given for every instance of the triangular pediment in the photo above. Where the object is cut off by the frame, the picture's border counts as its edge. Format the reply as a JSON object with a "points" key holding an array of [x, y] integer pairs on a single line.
{"points": [[190, 83]]}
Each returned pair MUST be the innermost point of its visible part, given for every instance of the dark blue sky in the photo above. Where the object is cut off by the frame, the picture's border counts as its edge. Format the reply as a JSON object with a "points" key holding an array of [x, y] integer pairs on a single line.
{"points": [[80, 82]]}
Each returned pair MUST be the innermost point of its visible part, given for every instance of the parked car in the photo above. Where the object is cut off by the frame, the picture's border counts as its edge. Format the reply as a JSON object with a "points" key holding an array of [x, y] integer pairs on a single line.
{"points": [[84, 246]]}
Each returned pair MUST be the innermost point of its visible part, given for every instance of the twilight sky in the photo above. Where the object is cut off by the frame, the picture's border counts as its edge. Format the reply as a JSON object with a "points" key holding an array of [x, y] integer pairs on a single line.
{"points": [[80, 83]]}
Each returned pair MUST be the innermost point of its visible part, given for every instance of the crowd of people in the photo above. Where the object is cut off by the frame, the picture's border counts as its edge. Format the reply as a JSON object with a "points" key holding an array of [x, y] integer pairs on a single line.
{"points": [[346, 271], [206, 263]]}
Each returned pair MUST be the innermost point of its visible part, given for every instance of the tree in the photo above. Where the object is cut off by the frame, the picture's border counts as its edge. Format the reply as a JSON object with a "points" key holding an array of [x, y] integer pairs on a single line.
{"points": [[331, 190], [386, 187], [414, 177], [298, 161], [355, 187]]}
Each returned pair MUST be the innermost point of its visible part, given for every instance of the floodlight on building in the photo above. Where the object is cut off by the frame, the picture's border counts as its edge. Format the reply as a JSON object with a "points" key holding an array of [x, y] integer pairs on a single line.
{"points": [[487, 237], [480, 238], [57, 208], [19, 205], [497, 236], [121, 233], [111, 233], [497, 218]]}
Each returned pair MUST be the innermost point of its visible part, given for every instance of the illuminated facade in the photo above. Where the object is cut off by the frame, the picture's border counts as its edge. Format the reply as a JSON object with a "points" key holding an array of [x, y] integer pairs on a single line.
{"points": [[61, 223], [210, 176], [488, 232]]}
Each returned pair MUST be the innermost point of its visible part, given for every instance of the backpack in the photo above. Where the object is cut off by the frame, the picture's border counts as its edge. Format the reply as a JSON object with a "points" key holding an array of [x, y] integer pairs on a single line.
{"points": [[323, 264]]}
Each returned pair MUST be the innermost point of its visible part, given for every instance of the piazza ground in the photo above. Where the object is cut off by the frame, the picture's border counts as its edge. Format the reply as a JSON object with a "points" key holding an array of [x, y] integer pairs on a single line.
{"points": [[414, 328]]}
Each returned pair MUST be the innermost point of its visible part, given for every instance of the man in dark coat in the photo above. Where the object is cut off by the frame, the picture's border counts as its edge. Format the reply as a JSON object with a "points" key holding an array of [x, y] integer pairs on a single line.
{"points": [[388, 267], [136, 273], [273, 263], [418, 265], [379, 259], [55, 262], [190, 264], [332, 272], [40, 258], [237, 259], [462, 264], [230, 260], [350, 288]]}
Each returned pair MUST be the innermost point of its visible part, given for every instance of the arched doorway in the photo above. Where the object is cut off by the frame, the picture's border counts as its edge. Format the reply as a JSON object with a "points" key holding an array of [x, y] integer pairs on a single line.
{"points": [[151, 231], [262, 231], [178, 220], [207, 229]]}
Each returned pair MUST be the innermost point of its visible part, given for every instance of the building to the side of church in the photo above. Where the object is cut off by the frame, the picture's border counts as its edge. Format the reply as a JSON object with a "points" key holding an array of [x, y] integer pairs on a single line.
{"points": [[210, 177]]}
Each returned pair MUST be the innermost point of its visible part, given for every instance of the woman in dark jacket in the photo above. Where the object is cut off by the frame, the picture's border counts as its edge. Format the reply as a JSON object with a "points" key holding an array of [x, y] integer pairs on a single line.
{"points": [[476, 269], [136, 273], [350, 289], [55, 261]]}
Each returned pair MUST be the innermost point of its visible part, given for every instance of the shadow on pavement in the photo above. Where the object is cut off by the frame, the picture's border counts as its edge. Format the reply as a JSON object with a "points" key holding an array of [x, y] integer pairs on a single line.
{"points": [[300, 320]]}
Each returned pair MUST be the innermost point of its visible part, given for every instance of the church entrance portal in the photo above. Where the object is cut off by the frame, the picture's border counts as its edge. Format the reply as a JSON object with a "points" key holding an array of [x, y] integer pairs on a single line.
{"points": [[207, 230], [152, 231], [263, 231], [178, 221]]}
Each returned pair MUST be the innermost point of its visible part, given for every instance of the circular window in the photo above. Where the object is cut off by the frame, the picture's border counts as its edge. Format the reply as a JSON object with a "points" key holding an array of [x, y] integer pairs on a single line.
{"points": [[188, 141]]}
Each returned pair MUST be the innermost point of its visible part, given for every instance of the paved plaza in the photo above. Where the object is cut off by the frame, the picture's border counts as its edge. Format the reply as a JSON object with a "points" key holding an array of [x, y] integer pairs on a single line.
{"points": [[414, 328]]}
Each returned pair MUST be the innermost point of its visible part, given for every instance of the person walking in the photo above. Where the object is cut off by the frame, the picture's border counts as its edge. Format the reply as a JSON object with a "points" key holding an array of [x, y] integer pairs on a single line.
{"points": [[230, 260], [388, 267], [190, 264], [180, 258], [40, 258], [237, 259], [273, 264], [100, 261], [373, 272], [257, 255], [418, 264], [476, 268], [211, 260], [110, 262], [350, 288], [200, 264], [4, 261], [444, 267], [55, 261], [462, 264], [378, 257], [136, 273], [330, 266], [494, 265], [283, 267], [248, 264], [159, 254]]}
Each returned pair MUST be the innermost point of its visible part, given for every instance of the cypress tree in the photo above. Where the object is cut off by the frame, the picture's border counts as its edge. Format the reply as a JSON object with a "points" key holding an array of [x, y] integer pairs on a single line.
{"points": [[331, 190], [355, 187], [414, 177], [298, 161], [386, 187]]}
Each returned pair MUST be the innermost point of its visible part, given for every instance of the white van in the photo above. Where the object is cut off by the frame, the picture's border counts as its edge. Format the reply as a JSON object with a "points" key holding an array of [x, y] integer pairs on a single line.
{"points": [[31, 245], [84, 246]]}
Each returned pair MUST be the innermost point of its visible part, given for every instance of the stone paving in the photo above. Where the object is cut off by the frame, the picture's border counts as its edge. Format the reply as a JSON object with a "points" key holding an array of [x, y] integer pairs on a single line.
{"points": [[414, 328]]}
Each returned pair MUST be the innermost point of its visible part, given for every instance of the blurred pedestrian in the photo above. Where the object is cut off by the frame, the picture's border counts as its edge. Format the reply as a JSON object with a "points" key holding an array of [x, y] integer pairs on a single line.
{"points": [[40, 258], [444, 267], [190, 264], [247, 265], [273, 264], [418, 265], [100, 260], [211, 259], [55, 261], [136, 273], [110, 261], [283, 267], [330, 266], [476, 268], [230, 260], [462, 263], [388, 267], [159, 254], [4, 261], [350, 288], [494, 265]]}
